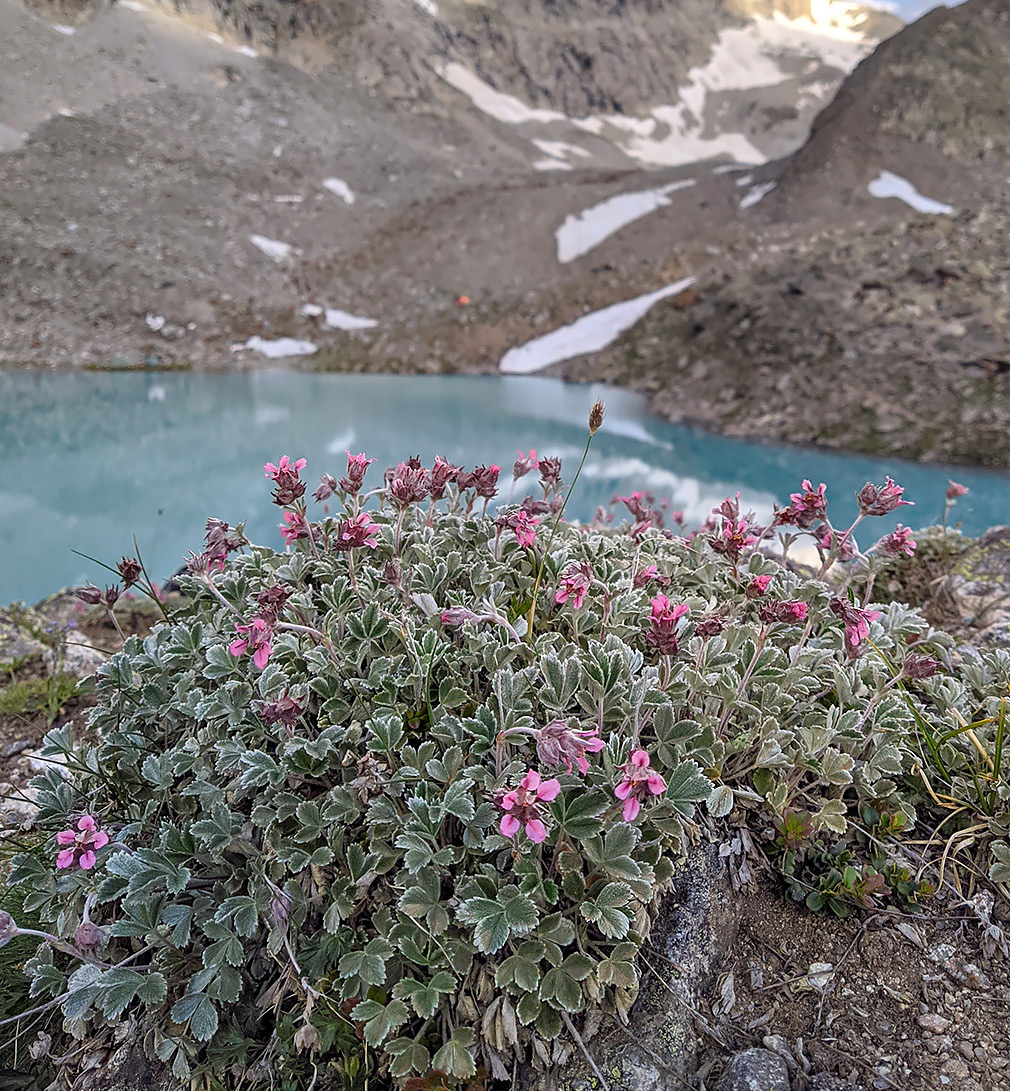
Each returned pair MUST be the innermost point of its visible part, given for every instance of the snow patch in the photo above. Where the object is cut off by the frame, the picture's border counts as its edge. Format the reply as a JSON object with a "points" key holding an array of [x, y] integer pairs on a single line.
{"points": [[336, 319], [748, 200], [581, 233], [429, 6], [590, 333], [131, 5], [496, 104], [246, 51], [273, 248], [65, 30], [341, 189], [281, 346], [289, 199], [744, 58], [155, 322], [893, 185], [216, 38], [552, 164]]}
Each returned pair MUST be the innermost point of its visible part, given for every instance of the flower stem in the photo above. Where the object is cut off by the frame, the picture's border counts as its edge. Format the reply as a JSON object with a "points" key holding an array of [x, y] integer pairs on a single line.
{"points": [[543, 559]]}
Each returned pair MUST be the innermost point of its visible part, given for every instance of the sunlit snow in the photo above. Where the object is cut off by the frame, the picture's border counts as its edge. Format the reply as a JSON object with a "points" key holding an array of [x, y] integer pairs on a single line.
{"points": [[246, 51], [893, 185], [341, 189], [276, 348], [155, 322], [590, 333], [61, 29], [429, 6], [335, 319], [580, 233], [273, 248]]}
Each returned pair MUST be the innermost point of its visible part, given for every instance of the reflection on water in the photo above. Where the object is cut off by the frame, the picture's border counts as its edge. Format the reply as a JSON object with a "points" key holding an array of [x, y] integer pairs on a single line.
{"points": [[89, 461]]}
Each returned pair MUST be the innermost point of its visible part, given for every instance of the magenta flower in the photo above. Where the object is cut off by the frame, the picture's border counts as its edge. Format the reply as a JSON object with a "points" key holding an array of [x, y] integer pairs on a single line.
{"points": [[898, 542], [82, 844], [808, 506], [835, 540], [559, 744], [785, 613], [710, 626], [293, 527], [646, 575], [733, 538], [358, 531], [289, 487], [458, 615], [257, 635], [882, 499], [955, 491], [758, 587], [856, 621], [521, 806], [357, 465], [574, 584], [443, 473], [525, 529], [284, 466], [524, 464], [638, 784], [663, 634], [483, 480]]}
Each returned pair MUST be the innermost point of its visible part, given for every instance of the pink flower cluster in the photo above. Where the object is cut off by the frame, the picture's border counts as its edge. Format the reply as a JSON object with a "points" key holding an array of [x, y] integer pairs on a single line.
{"points": [[881, 499], [638, 783], [288, 487], [898, 543], [559, 744], [783, 613], [663, 633], [357, 531], [257, 635], [81, 844], [522, 806], [856, 621], [574, 585], [806, 507]]}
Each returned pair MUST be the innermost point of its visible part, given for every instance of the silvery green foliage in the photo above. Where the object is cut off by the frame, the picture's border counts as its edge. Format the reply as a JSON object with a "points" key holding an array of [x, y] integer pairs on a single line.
{"points": [[275, 884]]}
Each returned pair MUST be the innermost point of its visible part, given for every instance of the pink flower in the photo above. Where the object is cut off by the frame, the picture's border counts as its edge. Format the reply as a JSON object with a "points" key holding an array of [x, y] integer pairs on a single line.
{"points": [[808, 506], [357, 465], [443, 473], [483, 480], [758, 587], [525, 528], [954, 490], [82, 844], [898, 542], [256, 635], [521, 806], [559, 744], [575, 582], [844, 545], [284, 466], [732, 538], [647, 575], [663, 634], [289, 487], [293, 527], [458, 615], [358, 531], [638, 784], [786, 613], [524, 464], [856, 621], [880, 500]]}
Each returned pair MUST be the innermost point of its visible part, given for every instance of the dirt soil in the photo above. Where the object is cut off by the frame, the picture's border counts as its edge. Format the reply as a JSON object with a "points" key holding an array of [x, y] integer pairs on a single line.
{"points": [[913, 1003]]}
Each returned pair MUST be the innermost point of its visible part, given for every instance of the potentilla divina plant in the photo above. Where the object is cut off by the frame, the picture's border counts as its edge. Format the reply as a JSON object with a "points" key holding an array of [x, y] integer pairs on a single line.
{"points": [[369, 808]]}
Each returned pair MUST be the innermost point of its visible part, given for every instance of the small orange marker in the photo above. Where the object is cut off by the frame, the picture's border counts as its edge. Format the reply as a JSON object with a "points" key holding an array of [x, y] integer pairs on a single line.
{"points": [[462, 300]]}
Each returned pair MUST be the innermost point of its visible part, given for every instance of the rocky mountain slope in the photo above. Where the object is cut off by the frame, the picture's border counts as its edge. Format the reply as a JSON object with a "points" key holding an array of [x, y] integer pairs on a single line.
{"points": [[177, 178], [932, 103]]}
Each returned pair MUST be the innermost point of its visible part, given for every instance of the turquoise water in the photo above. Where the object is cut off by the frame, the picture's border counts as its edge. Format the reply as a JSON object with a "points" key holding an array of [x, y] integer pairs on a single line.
{"points": [[90, 460]]}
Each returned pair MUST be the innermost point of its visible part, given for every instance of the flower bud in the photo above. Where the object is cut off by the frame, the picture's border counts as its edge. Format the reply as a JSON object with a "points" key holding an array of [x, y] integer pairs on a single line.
{"points": [[596, 415], [91, 595], [129, 568], [89, 937], [111, 596]]}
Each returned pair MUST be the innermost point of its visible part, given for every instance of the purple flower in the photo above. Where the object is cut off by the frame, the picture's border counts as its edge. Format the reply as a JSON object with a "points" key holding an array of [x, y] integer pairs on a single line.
{"points": [[559, 744], [443, 473], [288, 486], [663, 634], [758, 587], [955, 491], [524, 464], [783, 613], [411, 483], [732, 538], [920, 666]]}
